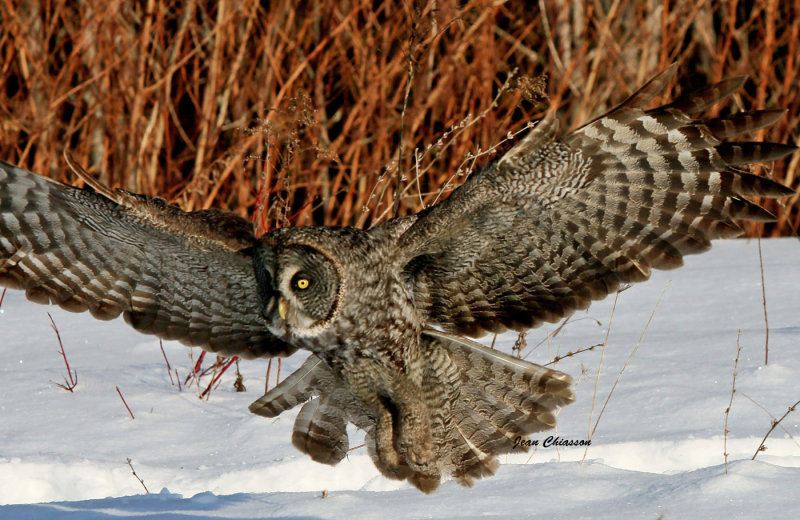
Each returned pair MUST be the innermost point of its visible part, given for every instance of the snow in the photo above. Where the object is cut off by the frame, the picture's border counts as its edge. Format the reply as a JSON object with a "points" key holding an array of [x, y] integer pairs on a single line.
{"points": [[657, 449]]}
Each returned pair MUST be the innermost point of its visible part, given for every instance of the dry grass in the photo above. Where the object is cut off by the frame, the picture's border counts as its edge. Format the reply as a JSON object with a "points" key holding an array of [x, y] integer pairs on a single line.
{"points": [[309, 108]]}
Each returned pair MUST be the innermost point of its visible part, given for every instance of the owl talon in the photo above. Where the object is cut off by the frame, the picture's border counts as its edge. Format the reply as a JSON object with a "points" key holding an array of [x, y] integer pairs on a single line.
{"points": [[387, 455]]}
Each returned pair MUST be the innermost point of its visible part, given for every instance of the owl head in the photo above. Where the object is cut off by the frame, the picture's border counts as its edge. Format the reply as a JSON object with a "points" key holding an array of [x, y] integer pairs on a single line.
{"points": [[299, 287]]}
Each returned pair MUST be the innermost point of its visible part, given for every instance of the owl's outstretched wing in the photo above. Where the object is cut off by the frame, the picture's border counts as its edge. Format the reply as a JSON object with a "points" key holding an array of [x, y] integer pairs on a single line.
{"points": [[178, 275], [557, 223]]}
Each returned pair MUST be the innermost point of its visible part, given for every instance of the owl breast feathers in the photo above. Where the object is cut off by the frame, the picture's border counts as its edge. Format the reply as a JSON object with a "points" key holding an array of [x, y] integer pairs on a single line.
{"points": [[557, 222]]}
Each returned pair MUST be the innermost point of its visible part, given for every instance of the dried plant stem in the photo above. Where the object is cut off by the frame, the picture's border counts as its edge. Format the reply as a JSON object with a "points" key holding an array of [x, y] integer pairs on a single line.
{"points": [[277, 375], [764, 301], [73, 376], [266, 379], [599, 368], [572, 353], [622, 370], [169, 367], [130, 465], [772, 417], [761, 446], [217, 375], [194, 372], [125, 403], [174, 77], [730, 403], [409, 81]]}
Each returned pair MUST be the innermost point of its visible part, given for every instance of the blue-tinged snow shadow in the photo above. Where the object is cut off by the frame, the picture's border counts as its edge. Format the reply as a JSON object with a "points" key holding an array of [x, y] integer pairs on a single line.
{"points": [[164, 505]]}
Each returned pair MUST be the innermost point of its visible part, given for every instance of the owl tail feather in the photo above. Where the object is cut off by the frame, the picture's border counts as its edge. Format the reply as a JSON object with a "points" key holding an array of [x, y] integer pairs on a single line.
{"points": [[320, 429], [493, 400]]}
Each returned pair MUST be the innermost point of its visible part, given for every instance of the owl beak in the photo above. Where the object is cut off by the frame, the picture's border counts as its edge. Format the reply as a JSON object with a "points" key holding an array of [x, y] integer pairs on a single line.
{"points": [[282, 305]]}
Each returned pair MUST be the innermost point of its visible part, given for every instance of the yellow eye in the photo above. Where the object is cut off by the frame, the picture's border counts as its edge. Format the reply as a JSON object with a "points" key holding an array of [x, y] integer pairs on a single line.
{"points": [[302, 283]]}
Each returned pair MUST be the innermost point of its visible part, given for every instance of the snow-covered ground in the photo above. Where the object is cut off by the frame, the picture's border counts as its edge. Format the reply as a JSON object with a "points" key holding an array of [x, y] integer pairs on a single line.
{"points": [[657, 450]]}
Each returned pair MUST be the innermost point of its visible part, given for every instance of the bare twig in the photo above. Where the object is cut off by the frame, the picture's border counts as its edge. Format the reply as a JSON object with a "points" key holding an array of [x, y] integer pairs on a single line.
{"points": [[125, 403], [194, 373], [764, 301], [266, 378], [130, 465], [169, 368], [730, 403], [627, 362], [207, 392], [409, 81], [762, 446], [597, 377], [574, 353], [772, 417], [73, 376]]}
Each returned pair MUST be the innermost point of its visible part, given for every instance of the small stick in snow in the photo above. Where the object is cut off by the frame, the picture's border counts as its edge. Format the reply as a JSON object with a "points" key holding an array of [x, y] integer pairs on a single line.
{"points": [[73, 381], [599, 368], [772, 417], [762, 447], [130, 465], [2, 297], [728, 409], [169, 368], [627, 362], [266, 379], [126, 404], [217, 376], [195, 372], [764, 301], [277, 376]]}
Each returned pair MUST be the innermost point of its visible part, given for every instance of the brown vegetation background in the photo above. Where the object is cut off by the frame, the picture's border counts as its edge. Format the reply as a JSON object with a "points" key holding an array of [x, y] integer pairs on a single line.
{"points": [[304, 111]]}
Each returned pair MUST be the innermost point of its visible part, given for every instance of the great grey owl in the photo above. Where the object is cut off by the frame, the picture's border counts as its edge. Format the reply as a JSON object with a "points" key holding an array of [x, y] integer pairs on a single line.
{"points": [[552, 225]]}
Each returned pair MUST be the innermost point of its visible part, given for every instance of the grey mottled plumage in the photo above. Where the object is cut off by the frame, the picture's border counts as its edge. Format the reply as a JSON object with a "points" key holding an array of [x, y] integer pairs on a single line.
{"points": [[556, 223]]}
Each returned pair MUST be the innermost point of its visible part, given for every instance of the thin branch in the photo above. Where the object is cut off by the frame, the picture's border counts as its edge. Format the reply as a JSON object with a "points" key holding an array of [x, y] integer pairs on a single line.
{"points": [[207, 391], [409, 81], [597, 378], [169, 367], [73, 381], [266, 379], [762, 447], [125, 403], [764, 301], [130, 465], [772, 417], [730, 403], [627, 362], [574, 353]]}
